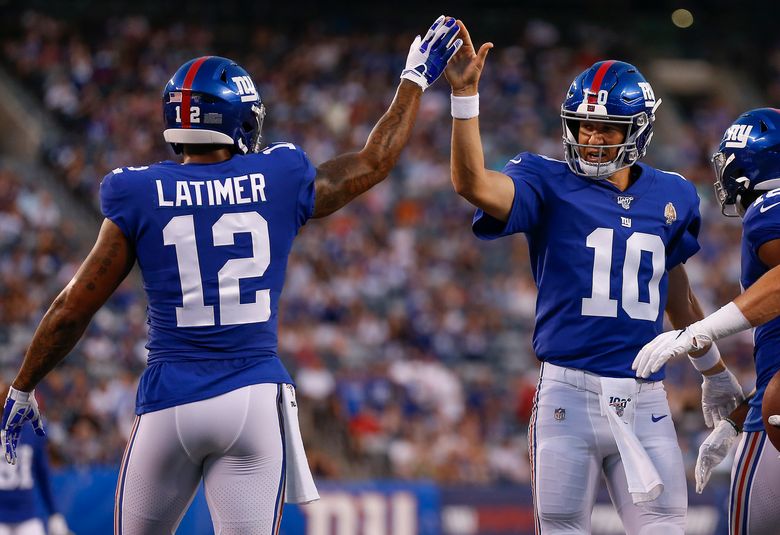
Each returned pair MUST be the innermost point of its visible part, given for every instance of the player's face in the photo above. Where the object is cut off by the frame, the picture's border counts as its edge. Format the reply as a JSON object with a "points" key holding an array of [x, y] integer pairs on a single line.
{"points": [[599, 134]]}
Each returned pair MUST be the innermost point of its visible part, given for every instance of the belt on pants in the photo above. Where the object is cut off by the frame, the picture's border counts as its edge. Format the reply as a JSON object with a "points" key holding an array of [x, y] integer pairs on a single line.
{"points": [[586, 380]]}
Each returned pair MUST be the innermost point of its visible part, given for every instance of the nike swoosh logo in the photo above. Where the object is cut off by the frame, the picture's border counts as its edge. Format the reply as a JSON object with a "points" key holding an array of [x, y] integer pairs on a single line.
{"points": [[764, 207], [516, 161], [658, 418]]}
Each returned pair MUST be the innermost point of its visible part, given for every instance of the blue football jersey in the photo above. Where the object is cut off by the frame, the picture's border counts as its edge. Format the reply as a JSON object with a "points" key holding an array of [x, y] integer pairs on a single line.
{"points": [[18, 482], [599, 257], [760, 225], [212, 242]]}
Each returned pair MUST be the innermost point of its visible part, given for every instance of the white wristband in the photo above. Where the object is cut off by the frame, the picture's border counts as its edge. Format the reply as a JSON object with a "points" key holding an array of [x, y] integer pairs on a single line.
{"points": [[18, 395], [707, 360], [464, 107], [726, 321]]}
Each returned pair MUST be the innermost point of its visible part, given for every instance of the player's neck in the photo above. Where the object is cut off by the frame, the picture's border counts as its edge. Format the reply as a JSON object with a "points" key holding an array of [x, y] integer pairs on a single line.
{"points": [[622, 179], [213, 156]]}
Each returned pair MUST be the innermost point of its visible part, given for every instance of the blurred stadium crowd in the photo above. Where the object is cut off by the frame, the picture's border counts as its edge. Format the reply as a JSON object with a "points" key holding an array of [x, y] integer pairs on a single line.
{"points": [[408, 338]]}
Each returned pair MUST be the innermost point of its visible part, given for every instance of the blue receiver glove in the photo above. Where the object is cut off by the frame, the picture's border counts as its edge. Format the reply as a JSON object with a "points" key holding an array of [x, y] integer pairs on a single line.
{"points": [[429, 56], [19, 407]]}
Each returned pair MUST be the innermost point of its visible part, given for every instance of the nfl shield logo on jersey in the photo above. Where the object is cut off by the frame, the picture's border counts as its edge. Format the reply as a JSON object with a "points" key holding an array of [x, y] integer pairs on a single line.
{"points": [[560, 414]]}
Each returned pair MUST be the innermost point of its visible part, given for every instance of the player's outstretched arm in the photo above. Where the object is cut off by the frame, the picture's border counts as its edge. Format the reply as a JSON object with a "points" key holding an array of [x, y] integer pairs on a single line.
{"points": [[489, 190], [345, 177], [761, 302], [720, 389], [105, 267], [757, 305]]}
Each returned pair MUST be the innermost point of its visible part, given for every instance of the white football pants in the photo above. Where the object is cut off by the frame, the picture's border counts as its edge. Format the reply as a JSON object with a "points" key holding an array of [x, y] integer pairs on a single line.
{"points": [[755, 487], [571, 445], [29, 527], [233, 441]]}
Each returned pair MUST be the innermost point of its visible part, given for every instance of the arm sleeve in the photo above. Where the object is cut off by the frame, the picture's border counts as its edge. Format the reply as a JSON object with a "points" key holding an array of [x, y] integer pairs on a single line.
{"points": [[115, 202], [685, 243], [41, 474], [526, 206]]}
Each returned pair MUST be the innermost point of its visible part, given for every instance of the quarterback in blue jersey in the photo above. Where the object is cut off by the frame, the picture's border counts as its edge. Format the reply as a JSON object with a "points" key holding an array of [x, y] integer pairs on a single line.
{"points": [[212, 236], [21, 484], [747, 168], [607, 237]]}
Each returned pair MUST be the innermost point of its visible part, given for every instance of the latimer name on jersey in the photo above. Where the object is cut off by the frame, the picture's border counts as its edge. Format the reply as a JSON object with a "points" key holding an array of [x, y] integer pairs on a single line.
{"points": [[245, 189]]}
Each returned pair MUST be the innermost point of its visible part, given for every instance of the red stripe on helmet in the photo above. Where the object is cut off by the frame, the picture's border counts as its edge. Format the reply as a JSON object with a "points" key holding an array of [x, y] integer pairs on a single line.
{"points": [[593, 91], [186, 92]]}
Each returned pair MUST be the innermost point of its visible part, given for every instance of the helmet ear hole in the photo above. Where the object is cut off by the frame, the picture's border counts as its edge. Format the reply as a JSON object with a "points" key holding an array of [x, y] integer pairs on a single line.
{"points": [[246, 126]]}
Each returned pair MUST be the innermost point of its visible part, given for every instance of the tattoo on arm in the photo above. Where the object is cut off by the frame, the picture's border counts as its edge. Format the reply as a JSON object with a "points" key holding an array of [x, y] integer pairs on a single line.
{"points": [[345, 177], [107, 265]]}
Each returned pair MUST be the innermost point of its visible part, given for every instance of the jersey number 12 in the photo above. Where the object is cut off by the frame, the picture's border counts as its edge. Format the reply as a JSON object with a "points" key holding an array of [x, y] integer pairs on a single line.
{"points": [[180, 232]]}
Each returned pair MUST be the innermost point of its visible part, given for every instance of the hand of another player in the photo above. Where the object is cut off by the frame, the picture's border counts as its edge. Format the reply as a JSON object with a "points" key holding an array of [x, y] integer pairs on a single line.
{"points": [[665, 346], [428, 56], [465, 69], [712, 452], [720, 394], [57, 525], [19, 408]]}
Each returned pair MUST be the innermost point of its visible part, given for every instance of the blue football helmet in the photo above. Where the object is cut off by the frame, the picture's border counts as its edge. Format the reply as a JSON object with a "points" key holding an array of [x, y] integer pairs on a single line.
{"points": [[748, 159], [212, 100], [609, 92]]}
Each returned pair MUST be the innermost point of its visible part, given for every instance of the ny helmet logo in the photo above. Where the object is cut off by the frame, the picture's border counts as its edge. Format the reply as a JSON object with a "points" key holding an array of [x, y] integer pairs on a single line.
{"points": [[245, 88], [647, 93], [736, 137]]}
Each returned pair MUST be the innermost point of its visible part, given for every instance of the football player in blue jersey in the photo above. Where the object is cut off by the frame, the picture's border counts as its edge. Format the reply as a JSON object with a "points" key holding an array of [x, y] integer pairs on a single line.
{"points": [[212, 236], [607, 237], [747, 171], [19, 485]]}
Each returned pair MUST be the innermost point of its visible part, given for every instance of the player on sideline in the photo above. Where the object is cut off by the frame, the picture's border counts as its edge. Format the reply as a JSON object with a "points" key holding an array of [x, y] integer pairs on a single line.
{"points": [[747, 172], [212, 237], [19, 484], [607, 237]]}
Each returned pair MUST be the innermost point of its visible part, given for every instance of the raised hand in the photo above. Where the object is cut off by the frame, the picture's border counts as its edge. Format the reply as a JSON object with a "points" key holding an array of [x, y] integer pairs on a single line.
{"points": [[428, 56], [465, 69]]}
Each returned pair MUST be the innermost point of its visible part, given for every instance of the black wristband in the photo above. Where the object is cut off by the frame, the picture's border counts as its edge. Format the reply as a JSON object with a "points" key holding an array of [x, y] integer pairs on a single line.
{"points": [[734, 425]]}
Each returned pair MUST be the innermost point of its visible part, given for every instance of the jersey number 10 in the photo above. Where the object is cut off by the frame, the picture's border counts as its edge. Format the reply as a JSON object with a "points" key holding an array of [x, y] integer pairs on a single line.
{"points": [[180, 232], [599, 303]]}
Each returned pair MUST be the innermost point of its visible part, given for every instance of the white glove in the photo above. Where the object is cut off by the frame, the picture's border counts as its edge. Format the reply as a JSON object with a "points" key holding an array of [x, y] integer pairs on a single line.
{"points": [[720, 394], [429, 56], [666, 345], [19, 407], [57, 525], [712, 452], [774, 420]]}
